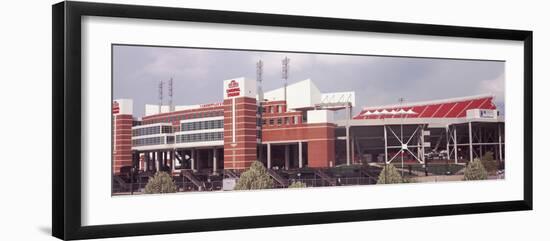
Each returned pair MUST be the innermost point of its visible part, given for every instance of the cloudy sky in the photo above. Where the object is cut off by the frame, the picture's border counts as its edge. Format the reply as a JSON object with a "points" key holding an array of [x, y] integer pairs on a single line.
{"points": [[376, 80]]}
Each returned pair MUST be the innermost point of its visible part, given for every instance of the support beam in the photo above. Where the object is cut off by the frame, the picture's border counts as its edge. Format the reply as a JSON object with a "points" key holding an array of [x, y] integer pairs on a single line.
{"points": [[352, 149], [385, 144], [499, 143], [268, 155], [348, 161], [300, 159], [456, 149], [447, 138], [470, 141]]}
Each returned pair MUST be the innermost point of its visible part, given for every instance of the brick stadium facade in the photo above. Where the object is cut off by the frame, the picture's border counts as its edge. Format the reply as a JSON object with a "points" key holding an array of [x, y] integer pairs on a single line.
{"points": [[295, 128]]}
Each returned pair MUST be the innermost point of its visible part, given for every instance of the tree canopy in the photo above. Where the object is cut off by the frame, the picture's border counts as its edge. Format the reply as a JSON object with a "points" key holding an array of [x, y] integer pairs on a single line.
{"points": [[389, 174], [161, 182], [256, 177]]}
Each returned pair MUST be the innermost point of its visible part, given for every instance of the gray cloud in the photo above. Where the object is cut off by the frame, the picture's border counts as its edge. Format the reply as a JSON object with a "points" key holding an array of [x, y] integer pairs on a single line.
{"points": [[376, 80]]}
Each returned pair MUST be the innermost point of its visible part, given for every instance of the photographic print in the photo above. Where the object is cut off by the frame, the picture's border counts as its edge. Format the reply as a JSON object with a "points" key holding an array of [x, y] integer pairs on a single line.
{"points": [[210, 120], [283, 119]]}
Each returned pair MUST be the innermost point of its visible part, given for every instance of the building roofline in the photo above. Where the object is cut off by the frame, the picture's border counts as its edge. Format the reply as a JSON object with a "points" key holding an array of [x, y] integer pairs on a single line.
{"points": [[429, 102]]}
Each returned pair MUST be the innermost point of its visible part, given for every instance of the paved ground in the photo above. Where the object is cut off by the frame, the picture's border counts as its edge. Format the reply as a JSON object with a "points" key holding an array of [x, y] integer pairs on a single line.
{"points": [[442, 178]]}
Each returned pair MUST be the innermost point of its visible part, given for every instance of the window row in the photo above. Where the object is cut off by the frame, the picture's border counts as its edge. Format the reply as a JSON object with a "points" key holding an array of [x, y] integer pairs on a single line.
{"points": [[281, 120], [199, 137], [273, 109], [185, 117], [151, 130], [202, 125], [159, 140]]}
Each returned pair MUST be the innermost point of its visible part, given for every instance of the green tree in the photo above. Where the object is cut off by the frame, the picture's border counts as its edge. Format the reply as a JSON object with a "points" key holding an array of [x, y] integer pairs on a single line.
{"points": [[297, 185], [256, 177], [490, 164], [475, 171], [389, 174], [161, 182]]}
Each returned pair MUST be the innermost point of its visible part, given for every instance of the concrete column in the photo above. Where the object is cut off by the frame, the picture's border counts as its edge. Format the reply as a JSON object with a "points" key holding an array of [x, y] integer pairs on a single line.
{"points": [[192, 159], [268, 155], [215, 160], [300, 159], [470, 139], [173, 159], [287, 157], [146, 160], [157, 161]]}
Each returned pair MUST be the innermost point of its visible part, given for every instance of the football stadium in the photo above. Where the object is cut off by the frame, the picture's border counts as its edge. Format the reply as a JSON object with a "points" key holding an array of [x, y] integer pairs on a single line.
{"points": [[299, 133]]}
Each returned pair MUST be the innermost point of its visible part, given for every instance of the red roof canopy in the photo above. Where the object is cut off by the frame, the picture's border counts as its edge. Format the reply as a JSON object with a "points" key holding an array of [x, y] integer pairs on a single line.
{"points": [[447, 108]]}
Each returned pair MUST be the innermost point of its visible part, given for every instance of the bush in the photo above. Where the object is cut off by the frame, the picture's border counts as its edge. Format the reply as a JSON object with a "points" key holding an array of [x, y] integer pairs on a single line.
{"points": [[491, 165], [256, 177], [389, 174], [297, 185], [475, 171], [161, 182]]}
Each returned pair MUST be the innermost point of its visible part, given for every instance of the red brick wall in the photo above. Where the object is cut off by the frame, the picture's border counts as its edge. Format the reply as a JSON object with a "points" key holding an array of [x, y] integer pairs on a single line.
{"points": [[122, 141], [320, 139], [244, 153]]}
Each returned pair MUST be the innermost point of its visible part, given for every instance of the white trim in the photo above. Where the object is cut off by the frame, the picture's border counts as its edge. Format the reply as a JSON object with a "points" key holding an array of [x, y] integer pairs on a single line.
{"points": [[150, 136], [179, 145], [152, 125], [198, 131], [202, 119]]}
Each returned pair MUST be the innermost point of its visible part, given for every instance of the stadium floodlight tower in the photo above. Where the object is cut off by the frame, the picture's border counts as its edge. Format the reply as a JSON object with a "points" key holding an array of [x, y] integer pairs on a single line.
{"points": [[286, 62], [171, 94], [259, 76], [161, 86]]}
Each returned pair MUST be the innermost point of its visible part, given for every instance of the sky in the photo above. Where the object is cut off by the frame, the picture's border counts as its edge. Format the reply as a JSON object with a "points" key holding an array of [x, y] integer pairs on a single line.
{"points": [[377, 80]]}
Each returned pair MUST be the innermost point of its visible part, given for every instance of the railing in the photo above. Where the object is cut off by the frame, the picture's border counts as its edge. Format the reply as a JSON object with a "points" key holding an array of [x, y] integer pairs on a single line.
{"points": [[183, 185]]}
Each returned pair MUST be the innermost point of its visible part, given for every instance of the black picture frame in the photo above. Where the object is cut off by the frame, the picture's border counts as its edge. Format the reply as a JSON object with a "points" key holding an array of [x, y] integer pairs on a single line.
{"points": [[67, 135]]}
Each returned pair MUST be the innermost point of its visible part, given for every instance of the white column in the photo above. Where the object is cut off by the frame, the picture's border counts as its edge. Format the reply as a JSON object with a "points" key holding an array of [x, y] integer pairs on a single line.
{"points": [[192, 159], [268, 155], [300, 160], [157, 160], [499, 143], [347, 146], [173, 159], [215, 160], [447, 138], [385, 144], [146, 160], [456, 146], [470, 139], [287, 157], [352, 149]]}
